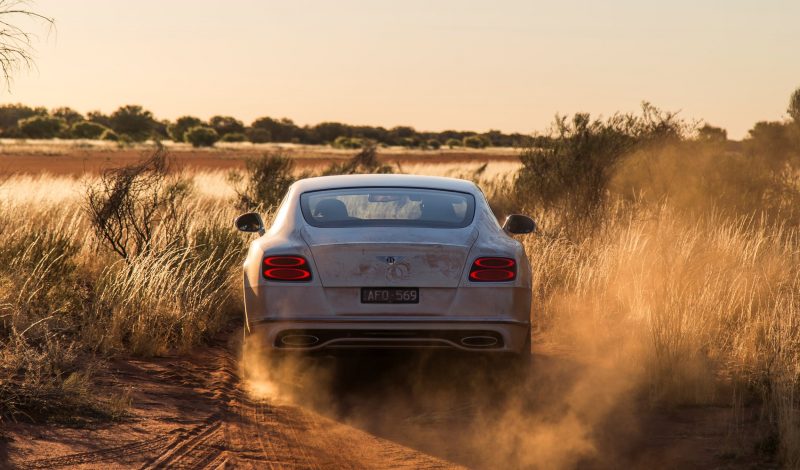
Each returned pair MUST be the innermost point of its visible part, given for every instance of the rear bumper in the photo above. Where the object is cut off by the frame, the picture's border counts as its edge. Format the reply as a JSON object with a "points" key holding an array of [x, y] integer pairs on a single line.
{"points": [[319, 334]]}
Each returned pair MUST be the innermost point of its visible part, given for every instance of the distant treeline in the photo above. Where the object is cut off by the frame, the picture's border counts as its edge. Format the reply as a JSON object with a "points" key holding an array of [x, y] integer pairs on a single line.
{"points": [[132, 123]]}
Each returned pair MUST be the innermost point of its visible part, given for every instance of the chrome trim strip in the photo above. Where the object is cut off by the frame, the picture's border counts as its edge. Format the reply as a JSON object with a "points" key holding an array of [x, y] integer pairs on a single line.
{"points": [[379, 321]]}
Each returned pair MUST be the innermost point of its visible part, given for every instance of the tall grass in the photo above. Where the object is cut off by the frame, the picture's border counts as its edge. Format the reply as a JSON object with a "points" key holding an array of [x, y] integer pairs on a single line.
{"points": [[686, 305], [692, 307], [67, 301]]}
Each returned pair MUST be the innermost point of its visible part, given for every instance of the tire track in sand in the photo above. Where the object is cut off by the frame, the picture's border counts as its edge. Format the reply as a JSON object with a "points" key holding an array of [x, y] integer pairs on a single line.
{"points": [[246, 433]]}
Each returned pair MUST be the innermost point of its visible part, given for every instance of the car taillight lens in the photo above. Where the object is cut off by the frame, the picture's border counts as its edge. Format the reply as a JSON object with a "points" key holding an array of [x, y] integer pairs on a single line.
{"points": [[286, 268], [493, 270]]}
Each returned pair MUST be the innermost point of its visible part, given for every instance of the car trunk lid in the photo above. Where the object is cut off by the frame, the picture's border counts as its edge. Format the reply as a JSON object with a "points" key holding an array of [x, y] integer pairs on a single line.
{"points": [[390, 256]]}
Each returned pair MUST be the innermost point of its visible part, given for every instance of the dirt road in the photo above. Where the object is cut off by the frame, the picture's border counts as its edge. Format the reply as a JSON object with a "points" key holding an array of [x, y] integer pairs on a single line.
{"points": [[195, 412]]}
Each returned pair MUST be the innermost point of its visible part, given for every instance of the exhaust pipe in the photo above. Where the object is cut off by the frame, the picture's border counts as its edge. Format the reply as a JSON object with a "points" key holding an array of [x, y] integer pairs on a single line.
{"points": [[479, 341], [299, 340]]}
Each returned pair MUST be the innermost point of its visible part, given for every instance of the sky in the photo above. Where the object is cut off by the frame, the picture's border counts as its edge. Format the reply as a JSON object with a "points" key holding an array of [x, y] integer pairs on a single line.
{"points": [[432, 64]]}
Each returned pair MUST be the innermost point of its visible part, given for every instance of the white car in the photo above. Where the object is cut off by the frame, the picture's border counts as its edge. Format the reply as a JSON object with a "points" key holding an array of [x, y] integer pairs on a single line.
{"points": [[387, 261]]}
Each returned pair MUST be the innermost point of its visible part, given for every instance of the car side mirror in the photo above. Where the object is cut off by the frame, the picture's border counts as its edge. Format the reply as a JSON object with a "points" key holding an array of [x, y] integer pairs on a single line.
{"points": [[250, 222], [519, 224]]}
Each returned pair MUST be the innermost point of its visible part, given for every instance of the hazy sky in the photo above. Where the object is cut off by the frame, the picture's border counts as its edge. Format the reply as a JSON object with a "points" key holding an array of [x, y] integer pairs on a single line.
{"points": [[432, 64]]}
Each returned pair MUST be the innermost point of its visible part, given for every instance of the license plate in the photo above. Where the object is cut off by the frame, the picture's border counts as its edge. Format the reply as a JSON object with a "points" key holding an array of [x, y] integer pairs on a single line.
{"points": [[389, 295]]}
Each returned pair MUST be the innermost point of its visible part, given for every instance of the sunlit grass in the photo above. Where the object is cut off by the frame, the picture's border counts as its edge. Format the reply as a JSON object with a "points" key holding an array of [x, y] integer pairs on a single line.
{"points": [[686, 306]]}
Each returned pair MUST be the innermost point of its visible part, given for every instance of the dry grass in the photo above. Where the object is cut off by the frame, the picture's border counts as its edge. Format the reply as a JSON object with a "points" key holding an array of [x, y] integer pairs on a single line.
{"points": [[692, 307], [687, 308], [66, 301]]}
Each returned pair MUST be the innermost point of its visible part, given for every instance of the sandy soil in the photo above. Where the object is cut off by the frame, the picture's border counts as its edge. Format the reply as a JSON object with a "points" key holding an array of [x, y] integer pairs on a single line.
{"points": [[191, 412], [195, 411]]}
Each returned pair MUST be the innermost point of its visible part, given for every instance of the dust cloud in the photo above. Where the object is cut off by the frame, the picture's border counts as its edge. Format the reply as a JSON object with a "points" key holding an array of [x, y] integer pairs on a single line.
{"points": [[640, 313], [567, 411]]}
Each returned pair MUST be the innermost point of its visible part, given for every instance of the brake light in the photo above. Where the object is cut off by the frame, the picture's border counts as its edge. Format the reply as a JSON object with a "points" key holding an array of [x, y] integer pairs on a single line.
{"points": [[286, 268], [493, 270]]}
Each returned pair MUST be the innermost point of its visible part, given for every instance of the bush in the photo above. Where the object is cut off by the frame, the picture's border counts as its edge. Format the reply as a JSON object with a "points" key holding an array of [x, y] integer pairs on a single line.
{"points": [[475, 142], [88, 130], [343, 142], [11, 114], [326, 132], [453, 143], [794, 106], [258, 135], [409, 142], [266, 181], [133, 209], [225, 125], [365, 161], [201, 136], [433, 144], [571, 172], [280, 130], [398, 134], [110, 135], [177, 130], [233, 137], [709, 133], [133, 120], [773, 143], [41, 127], [69, 115], [98, 117]]}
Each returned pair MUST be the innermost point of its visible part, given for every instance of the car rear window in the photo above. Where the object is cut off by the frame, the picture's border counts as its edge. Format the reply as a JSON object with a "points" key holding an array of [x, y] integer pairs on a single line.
{"points": [[387, 207]]}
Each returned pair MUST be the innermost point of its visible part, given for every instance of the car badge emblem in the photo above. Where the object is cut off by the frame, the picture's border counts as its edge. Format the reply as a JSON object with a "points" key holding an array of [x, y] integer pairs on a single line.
{"points": [[390, 260]]}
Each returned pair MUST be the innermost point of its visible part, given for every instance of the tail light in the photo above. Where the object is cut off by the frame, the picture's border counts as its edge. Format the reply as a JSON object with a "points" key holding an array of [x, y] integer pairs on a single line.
{"points": [[493, 270], [286, 268]]}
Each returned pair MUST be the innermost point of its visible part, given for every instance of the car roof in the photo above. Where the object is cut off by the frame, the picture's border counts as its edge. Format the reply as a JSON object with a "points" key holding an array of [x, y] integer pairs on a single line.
{"points": [[410, 181]]}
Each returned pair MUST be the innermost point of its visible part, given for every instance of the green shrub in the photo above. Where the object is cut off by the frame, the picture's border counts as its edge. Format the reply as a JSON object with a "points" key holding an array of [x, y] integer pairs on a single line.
{"points": [[88, 130], [343, 142], [69, 115], [475, 142], [225, 125], [433, 144], [410, 142], [233, 137], [280, 130], [11, 114], [201, 136], [133, 120], [110, 135], [453, 143], [257, 135], [177, 130], [41, 127], [98, 117]]}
